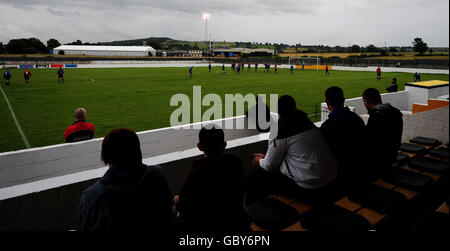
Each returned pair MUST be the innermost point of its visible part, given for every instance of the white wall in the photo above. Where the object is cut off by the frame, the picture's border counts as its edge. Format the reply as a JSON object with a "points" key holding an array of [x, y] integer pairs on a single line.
{"points": [[433, 124], [421, 95], [390, 69], [31, 164]]}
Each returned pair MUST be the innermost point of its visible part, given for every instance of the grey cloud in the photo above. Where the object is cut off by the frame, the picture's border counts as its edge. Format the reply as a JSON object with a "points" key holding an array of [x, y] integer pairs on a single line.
{"points": [[62, 12], [328, 22], [181, 6]]}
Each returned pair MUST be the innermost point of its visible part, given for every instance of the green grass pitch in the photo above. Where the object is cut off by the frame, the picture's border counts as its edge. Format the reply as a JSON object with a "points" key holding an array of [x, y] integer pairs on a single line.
{"points": [[138, 98]]}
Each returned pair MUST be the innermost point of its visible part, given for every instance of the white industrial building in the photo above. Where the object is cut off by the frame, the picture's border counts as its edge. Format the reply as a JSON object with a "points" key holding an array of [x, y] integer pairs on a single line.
{"points": [[96, 50]]}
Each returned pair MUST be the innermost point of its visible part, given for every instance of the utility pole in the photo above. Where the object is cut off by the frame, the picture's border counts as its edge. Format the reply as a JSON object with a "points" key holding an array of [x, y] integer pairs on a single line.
{"points": [[206, 16], [210, 45]]}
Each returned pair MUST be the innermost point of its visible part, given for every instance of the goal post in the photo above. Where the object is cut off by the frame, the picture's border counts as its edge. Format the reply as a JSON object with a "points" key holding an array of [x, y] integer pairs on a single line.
{"points": [[311, 63]]}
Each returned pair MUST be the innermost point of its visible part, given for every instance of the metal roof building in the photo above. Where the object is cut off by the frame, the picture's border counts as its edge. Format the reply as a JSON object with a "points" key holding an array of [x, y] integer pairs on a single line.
{"points": [[96, 50]]}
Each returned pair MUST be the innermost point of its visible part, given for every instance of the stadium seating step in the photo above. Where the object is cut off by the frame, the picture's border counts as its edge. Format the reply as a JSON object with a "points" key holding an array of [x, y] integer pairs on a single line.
{"points": [[295, 227], [409, 179], [412, 148], [378, 198], [429, 164], [441, 152], [402, 158], [443, 208], [348, 204], [435, 222], [425, 141], [372, 216], [333, 218], [272, 214], [409, 194]]}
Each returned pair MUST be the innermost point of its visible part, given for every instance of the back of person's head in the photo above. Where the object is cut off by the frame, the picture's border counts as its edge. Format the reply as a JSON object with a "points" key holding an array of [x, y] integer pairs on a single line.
{"points": [[372, 96], [286, 105], [80, 113], [121, 146], [334, 96], [394, 80], [211, 140]]}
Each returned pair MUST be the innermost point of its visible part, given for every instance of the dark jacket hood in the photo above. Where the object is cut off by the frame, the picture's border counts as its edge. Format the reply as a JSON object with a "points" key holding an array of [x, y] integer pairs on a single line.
{"points": [[292, 124], [384, 109], [124, 179]]}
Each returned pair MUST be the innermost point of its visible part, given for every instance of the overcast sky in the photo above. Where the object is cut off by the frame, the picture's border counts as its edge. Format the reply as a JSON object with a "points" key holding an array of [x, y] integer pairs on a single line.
{"points": [[326, 22]]}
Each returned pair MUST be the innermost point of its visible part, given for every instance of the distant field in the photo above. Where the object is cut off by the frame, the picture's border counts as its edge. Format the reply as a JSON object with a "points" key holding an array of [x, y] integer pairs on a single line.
{"points": [[325, 55], [139, 98], [376, 55]]}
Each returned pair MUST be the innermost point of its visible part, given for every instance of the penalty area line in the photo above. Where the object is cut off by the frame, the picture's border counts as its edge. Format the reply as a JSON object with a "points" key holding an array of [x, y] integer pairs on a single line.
{"points": [[24, 138]]}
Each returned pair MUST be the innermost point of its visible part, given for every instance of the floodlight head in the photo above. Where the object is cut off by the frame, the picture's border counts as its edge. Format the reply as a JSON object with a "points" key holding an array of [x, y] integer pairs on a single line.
{"points": [[206, 16]]}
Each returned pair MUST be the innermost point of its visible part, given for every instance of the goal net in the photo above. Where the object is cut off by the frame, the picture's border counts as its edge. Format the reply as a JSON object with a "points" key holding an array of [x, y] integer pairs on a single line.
{"points": [[309, 63]]}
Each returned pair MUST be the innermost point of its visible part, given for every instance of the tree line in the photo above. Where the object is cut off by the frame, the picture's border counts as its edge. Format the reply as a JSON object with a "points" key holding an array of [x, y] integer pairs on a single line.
{"points": [[35, 46]]}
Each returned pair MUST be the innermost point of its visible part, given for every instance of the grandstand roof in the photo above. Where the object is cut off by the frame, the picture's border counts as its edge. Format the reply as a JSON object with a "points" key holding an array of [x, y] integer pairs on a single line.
{"points": [[104, 48]]}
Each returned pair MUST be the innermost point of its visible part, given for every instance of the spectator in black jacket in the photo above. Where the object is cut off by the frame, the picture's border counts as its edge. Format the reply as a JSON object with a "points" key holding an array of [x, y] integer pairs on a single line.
{"points": [[211, 198], [130, 196], [393, 87], [344, 134], [383, 133]]}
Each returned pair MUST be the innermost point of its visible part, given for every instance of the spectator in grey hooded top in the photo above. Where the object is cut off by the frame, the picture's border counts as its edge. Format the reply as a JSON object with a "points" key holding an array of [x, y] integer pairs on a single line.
{"points": [[298, 162]]}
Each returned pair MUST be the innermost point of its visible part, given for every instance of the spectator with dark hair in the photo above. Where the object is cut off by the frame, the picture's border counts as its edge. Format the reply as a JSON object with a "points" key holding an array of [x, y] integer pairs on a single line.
{"points": [[211, 198], [383, 134], [130, 196], [393, 87], [298, 161], [80, 129], [344, 133]]}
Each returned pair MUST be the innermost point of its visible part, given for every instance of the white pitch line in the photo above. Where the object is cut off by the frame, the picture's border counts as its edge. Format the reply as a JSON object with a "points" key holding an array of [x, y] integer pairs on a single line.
{"points": [[25, 140]]}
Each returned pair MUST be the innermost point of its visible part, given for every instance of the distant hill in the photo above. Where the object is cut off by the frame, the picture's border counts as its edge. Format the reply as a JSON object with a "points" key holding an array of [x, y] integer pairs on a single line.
{"points": [[167, 43], [137, 42]]}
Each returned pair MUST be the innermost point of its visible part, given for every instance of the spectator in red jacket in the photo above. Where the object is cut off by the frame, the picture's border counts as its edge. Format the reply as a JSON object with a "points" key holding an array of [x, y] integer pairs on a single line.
{"points": [[80, 129]]}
